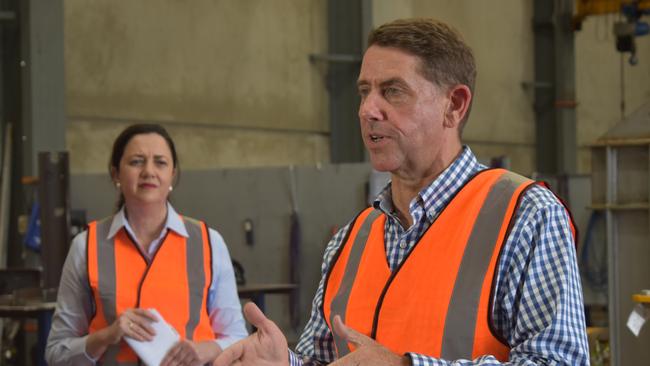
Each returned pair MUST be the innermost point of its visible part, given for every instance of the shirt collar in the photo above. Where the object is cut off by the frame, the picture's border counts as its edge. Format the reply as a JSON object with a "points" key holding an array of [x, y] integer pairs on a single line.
{"points": [[172, 222], [434, 197]]}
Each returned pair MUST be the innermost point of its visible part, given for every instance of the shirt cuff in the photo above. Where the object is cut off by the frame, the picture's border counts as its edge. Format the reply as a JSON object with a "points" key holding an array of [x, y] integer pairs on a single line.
{"points": [[78, 347], [90, 359], [294, 360], [226, 342], [422, 360]]}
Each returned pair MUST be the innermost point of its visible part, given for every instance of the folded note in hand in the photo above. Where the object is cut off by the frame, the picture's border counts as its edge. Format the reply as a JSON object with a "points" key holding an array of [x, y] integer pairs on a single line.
{"points": [[152, 352]]}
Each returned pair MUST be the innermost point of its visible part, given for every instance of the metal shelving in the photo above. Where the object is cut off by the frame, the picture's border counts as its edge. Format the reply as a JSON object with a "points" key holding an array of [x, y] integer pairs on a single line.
{"points": [[621, 189]]}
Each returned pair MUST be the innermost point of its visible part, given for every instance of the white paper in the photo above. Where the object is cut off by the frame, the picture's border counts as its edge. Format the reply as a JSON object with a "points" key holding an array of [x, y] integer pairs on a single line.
{"points": [[152, 352], [637, 318]]}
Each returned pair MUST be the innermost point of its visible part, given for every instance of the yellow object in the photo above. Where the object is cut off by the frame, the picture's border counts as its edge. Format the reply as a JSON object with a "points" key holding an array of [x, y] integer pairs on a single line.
{"points": [[585, 8], [599, 351], [641, 298], [594, 7], [601, 332]]}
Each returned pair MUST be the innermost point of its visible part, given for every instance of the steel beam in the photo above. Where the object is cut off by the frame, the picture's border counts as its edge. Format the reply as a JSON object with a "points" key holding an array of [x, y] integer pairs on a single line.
{"points": [[345, 21], [54, 198], [43, 102], [555, 103]]}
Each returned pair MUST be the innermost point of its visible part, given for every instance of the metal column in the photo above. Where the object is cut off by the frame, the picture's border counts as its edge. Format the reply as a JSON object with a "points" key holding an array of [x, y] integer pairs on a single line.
{"points": [[612, 253], [345, 20], [33, 94], [565, 88], [11, 92], [555, 87], [43, 103], [54, 197]]}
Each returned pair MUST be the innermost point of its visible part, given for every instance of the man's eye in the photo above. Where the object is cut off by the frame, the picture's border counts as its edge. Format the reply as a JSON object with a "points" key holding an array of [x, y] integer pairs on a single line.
{"points": [[136, 162], [363, 92], [161, 162], [391, 92]]}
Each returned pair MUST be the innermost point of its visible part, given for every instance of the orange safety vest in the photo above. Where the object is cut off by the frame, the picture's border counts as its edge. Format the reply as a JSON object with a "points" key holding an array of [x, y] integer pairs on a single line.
{"points": [[438, 300], [175, 282]]}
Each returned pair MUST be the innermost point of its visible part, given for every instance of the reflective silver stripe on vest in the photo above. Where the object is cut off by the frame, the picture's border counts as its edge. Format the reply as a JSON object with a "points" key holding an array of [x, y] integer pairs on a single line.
{"points": [[107, 281], [340, 300], [110, 357], [195, 274], [460, 323], [107, 363]]}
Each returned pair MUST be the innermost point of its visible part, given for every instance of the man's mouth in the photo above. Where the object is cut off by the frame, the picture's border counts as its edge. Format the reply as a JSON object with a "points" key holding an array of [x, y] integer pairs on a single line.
{"points": [[375, 138]]}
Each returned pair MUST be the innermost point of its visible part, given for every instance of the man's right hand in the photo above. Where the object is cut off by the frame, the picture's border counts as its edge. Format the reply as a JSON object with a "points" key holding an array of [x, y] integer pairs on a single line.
{"points": [[266, 347]]}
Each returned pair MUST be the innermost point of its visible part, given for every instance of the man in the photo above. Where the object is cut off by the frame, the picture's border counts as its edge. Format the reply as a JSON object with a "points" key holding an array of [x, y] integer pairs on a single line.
{"points": [[455, 263]]}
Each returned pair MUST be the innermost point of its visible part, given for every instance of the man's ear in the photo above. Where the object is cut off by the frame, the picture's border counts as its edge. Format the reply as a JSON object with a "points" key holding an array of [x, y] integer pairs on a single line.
{"points": [[460, 98]]}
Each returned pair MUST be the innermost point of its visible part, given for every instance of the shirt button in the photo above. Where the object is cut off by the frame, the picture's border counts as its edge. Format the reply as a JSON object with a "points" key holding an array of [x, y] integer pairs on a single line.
{"points": [[402, 245]]}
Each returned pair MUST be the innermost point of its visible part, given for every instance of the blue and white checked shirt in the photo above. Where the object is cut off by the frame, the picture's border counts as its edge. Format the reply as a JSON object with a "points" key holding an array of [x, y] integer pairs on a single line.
{"points": [[537, 305]]}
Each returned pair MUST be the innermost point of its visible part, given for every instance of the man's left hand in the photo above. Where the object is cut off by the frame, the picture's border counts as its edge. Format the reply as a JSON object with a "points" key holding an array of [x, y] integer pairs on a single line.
{"points": [[367, 352]]}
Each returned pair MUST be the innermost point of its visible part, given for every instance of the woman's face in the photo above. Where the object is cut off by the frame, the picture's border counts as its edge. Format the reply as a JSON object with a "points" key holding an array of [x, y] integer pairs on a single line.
{"points": [[146, 170]]}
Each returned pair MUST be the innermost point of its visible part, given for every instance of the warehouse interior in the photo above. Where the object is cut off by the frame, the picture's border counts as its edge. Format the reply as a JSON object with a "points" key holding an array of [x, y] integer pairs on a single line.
{"points": [[261, 100]]}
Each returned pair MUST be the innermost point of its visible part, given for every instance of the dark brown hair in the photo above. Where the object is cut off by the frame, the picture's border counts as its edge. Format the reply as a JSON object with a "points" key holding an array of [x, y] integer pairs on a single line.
{"points": [[125, 136], [446, 60]]}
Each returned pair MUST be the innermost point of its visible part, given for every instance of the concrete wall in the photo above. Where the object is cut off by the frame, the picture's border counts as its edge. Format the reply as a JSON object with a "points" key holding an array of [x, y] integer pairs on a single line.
{"points": [[231, 79]]}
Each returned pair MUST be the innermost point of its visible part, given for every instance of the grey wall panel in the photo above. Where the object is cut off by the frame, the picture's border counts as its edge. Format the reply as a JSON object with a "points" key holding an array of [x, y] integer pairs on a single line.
{"points": [[327, 197]]}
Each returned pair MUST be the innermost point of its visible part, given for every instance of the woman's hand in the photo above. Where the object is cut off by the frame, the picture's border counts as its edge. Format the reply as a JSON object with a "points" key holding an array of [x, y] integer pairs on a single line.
{"points": [[134, 323], [188, 353]]}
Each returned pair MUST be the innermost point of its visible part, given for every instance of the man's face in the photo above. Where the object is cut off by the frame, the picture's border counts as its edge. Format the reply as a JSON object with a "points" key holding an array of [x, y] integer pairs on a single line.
{"points": [[402, 114]]}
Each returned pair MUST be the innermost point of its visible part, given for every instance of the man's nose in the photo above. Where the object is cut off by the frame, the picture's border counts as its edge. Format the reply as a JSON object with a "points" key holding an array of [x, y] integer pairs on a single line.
{"points": [[370, 108]]}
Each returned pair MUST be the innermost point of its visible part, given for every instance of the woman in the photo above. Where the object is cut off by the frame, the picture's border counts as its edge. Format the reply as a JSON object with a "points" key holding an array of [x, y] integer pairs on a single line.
{"points": [[144, 256]]}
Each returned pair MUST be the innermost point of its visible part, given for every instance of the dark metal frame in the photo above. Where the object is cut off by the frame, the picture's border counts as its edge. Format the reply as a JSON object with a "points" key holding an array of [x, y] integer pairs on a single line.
{"points": [[555, 96]]}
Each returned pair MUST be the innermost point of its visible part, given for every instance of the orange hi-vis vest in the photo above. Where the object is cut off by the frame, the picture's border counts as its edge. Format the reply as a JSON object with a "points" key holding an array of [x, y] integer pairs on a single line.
{"points": [[175, 282], [438, 301]]}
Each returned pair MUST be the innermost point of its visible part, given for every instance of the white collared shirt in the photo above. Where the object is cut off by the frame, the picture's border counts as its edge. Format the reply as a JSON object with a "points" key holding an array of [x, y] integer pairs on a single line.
{"points": [[172, 222]]}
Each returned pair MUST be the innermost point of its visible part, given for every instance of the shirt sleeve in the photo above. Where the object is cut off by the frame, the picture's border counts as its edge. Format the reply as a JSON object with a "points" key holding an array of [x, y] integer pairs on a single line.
{"points": [[224, 307], [66, 343], [538, 307], [316, 345]]}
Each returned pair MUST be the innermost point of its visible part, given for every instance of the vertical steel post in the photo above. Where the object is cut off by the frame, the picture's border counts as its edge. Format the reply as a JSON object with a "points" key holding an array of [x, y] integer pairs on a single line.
{"points": [[43, 92], [612, 252], [565, 89], [344, 23], [54, 198], [545, 128], [555, 119]]}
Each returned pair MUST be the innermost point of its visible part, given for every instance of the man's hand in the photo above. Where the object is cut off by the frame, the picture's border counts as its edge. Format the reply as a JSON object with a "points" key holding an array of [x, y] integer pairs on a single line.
{"points": [[367, 352], [266, 347]]}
